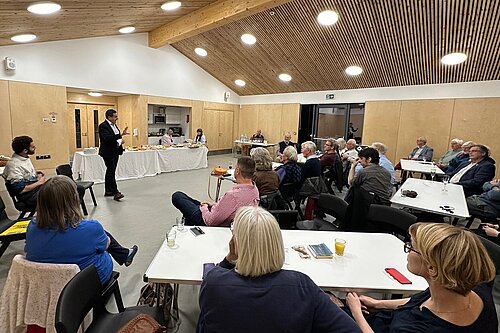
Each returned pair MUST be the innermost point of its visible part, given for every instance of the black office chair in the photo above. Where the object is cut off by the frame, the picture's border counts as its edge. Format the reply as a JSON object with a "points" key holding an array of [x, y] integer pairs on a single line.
{"points": [[327, 204], [272, 201], [286, 218], [65, 170], [290, 193], [24, 209], [82, 294], [391, 220], [6, 223], [494, 252]]}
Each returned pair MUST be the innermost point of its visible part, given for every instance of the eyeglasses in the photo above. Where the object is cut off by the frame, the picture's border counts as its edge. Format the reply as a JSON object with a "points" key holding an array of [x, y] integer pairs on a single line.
{"points": [[407, 247], [231, 227]]}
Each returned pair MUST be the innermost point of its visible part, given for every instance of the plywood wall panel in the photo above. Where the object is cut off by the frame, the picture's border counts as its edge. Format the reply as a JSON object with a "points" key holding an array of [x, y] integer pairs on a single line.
{"points": [[29, 104], [86, 99], [139, 120], [381, 124], [5, 121], [477, 120], [428, 118], [226, 128], [169, 101], [196, 118], [290, 120], [218, 106], [249, 119], [269, 121], [211, 128]]}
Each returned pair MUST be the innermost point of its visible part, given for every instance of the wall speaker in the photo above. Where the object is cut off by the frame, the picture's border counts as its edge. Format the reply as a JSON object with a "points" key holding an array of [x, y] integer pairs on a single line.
{"points": [[227, 94], [10, 64]]}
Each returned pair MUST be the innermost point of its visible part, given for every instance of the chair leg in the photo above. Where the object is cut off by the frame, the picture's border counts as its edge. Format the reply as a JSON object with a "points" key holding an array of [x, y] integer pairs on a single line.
{"points": [[93, 196], [84, 208], [469, 222], [5, 245], [118, 298]]}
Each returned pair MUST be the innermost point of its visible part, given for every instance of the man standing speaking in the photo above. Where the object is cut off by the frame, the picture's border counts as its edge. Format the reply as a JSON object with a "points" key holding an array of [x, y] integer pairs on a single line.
{"points": [[110, 149]]}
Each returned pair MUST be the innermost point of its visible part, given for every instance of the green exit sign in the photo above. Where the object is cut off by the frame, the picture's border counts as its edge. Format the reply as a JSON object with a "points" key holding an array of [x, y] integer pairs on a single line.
{"points": [[330, 96]]}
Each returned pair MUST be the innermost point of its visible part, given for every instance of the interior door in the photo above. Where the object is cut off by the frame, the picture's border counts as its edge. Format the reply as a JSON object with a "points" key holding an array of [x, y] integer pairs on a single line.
{"points": [[77, 126], [211, 128], [226, 139]]}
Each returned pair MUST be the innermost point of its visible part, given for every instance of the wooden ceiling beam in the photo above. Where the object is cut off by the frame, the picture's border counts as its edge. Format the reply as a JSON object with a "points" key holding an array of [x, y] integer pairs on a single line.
{"points": [[207, 18]]}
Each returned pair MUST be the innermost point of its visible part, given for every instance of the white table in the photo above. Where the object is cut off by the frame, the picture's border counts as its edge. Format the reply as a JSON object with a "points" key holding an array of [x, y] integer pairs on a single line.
{"points": [[431, 196], [419, 166], [139, 164], [361, 269], [251, 143]]}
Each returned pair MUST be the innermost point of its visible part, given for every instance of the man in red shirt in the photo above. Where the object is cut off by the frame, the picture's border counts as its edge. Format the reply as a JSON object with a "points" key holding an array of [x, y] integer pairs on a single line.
{"points": [[221, 213]]}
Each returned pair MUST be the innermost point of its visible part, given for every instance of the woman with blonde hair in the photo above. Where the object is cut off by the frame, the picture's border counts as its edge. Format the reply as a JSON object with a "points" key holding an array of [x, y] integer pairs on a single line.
{"points": [[59, 235], [458, 270], [250, 292], [264, 177]]}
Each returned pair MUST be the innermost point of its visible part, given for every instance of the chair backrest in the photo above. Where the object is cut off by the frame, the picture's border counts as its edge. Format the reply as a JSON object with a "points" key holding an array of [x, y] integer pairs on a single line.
{"points": [[332, 205], [3, 213], [81, 294], [32, 290], [20, 206], [272, 201], [286, 218], [65, 170], [494, 252], [391, 220], [289, 191]]}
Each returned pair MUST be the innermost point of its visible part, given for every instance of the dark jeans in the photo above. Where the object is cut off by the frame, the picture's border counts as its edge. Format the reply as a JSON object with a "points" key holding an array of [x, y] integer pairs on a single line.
{"points": [[118, 252], [30, 198], [109, 179], [189, 207]]}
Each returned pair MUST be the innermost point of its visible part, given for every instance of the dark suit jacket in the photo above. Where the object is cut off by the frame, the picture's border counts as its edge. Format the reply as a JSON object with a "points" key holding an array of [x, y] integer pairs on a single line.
{"points": [[283, 145], [472, 181], [426, 153], [312, 168], [108, 146]]}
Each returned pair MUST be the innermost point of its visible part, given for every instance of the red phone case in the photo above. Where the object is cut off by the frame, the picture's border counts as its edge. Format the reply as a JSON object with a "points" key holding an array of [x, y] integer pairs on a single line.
{"points": [[397, 276]]}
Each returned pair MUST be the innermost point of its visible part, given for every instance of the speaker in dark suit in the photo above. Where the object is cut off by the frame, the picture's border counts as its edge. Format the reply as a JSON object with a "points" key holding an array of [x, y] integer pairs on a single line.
{"points": [[110, 149]]}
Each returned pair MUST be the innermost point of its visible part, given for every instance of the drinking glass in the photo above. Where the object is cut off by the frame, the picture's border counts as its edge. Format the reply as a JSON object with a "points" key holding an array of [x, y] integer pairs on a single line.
{"points": [[446, 180], [171, 238], [433, 173], [180, 221], [339, 246]]}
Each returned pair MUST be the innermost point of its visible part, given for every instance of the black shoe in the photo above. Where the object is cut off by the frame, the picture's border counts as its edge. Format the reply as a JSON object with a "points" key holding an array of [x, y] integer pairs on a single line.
{"points": [[108, 194], [118, 196], [131, 255]]}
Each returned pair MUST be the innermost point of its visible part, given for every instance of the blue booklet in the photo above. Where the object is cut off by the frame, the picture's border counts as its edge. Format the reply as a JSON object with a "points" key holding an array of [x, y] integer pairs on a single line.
{"points": [[321, 251]]}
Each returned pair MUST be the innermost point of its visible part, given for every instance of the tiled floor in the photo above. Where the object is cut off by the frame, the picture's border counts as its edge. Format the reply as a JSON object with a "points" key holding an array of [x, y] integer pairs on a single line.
{"points": [[142, 218]]}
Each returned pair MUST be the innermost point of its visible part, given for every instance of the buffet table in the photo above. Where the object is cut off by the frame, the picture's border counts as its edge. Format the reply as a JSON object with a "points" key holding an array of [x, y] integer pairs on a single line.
{"points": [[140, 163]]}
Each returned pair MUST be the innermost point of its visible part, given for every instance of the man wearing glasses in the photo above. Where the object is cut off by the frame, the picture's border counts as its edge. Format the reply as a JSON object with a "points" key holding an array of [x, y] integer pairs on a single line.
{"points": [[474, 173]]}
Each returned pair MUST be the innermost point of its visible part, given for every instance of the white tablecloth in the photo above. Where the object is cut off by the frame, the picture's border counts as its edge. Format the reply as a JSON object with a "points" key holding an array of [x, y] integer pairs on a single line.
{"points": [[138, 164]]}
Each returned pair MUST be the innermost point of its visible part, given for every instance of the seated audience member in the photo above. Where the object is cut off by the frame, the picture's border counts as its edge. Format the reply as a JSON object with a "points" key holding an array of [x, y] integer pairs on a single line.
{"points": [[312, 166], [285, 143], [460, 158], [257, 136], [290, 171], [490, 232], [59, 235], [421, 152], [350, 154], [330, 156], [372, 177], [221, 213], [458, 270], [474, 173], [342, 145], [199, 138], [383, 162], [20, 174], [456, 148], [250, 280], [264, 177], [486, 204], [166, 139]]}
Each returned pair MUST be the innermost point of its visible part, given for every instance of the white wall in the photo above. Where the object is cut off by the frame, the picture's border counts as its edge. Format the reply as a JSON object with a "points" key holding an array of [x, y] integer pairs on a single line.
{"points": [[118, 64], [436, 91]]}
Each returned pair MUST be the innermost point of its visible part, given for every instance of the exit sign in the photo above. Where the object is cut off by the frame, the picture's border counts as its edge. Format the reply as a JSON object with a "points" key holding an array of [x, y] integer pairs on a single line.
{"points": [[330, 96]]}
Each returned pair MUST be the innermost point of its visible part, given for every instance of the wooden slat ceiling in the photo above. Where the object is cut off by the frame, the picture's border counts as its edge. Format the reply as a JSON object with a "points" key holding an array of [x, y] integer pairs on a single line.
{"points": [[396, 42], [87, 18]]}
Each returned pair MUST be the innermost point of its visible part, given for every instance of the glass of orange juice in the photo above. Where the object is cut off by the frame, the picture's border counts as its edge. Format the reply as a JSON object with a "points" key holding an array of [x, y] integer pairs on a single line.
{"points": [[339, 246]]}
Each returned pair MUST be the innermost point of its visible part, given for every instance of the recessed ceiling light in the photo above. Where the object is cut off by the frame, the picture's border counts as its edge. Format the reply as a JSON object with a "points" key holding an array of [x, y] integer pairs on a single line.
{"points": [[248, 39], [454, 58], [171, 5], [24, 38], [354, 70], [285, 77], [127, 30], [95, 94], [328, 17], [44, 8], [201, 52], [240, 83]]}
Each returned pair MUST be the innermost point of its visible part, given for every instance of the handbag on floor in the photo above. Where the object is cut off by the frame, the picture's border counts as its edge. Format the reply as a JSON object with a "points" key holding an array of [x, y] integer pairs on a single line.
{"points": [[158, 294], [142, 323]]}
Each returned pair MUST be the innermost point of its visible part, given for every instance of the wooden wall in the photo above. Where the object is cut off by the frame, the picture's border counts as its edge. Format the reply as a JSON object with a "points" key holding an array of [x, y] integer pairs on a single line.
{"points": [[399, 123], [5, 120], [273, 119]]}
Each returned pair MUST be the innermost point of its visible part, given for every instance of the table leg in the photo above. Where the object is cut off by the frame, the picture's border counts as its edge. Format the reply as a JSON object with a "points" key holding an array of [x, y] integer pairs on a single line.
{"points": [[217, 192]]}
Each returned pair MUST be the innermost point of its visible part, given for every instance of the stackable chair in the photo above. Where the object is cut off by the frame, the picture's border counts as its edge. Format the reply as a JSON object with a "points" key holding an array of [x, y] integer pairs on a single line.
{"points": [[327, 204], [82, 294], [391, 220], [6, 223], [286, 218], [65, 170], [24, 209]]}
